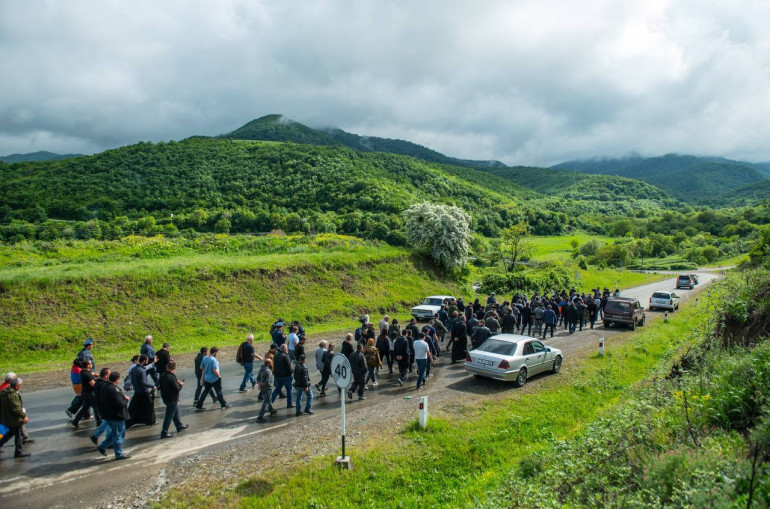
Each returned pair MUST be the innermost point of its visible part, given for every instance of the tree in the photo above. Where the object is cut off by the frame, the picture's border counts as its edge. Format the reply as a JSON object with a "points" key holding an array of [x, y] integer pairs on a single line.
{"points": [[440, 231], [515, 245]]}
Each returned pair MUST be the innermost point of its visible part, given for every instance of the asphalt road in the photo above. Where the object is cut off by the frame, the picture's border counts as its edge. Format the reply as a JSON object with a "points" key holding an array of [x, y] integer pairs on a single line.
{"points": [[66, 470]]}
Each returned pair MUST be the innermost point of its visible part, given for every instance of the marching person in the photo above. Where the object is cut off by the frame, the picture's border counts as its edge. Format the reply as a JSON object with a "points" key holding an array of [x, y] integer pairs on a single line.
{"points": [[282, 371], [212, 380], [248, 355], [204, 352], [148, 351], [265, 379], [85, 354], [142, 407], [326, 372], [358, 367], [422, 357], [373, 362], [302, 383], [112, 403], [169, 392], [13, 416], [88, 395], [401, 352]]}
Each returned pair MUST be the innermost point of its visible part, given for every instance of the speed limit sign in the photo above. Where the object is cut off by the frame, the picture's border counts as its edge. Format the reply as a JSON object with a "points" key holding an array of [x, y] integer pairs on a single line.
{"points": [[341, 372]]}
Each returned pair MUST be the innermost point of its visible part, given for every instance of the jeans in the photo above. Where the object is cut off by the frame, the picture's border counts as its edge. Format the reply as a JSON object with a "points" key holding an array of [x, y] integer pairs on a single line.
{"points": [[153, 372], [115, 437], [422, 365], [217, 387], [371, 375], [248, 375], [572, 327], [538, 327], [282, 381], [308, 399], [104, 426], [172, 414], [545, 330]]}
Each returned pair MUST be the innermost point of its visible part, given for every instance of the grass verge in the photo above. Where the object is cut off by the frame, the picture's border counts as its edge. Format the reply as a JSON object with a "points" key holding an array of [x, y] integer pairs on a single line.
{"points": [[469, 449]]}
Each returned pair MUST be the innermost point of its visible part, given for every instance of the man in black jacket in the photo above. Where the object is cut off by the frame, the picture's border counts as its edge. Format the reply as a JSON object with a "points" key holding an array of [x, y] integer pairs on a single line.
{"points": [[401, 351], [359, 369], [113, 403], [102, 382], [302, 383], [282, 372], [169, 391]]}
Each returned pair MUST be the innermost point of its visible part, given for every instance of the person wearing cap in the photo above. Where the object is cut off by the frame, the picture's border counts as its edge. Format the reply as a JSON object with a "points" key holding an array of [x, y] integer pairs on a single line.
{"points": [[85, 353], [491, 299], [302, 384], [212, 380], [278, 336]]}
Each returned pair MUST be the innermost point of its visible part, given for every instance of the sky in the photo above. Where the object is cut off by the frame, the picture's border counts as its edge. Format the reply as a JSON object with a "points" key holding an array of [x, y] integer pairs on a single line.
{"points": [[525, 82]]}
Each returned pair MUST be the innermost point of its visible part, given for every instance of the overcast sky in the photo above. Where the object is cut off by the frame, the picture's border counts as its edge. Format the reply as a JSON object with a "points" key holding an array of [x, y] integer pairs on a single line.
{"points": [[526, 82]]}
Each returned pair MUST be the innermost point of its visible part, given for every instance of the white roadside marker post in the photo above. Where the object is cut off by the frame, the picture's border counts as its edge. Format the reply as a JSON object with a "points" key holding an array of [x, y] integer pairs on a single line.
{"points": [[601, 347], [423, 414]]}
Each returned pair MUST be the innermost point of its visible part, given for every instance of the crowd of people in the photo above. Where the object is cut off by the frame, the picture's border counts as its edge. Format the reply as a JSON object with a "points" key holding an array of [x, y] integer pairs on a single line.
{"points": [[284, 372]]}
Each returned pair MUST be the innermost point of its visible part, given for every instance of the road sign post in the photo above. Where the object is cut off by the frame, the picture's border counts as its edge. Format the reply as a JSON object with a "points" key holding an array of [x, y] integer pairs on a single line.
{"points": [[343, 377]]}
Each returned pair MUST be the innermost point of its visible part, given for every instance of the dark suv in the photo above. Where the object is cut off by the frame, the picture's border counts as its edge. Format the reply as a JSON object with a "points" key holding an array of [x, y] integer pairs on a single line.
{"points": [[623, 310], [685, 281]]}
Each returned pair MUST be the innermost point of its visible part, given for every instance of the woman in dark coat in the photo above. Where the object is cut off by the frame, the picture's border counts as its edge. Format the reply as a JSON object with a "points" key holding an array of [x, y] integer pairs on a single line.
{"points": [[459, 340], [142, 407]]}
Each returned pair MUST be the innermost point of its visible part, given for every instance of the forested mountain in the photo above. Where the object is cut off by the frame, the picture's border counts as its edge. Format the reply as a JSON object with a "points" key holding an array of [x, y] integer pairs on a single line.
{"points": [[576, 185], [689, 178], [259, 186], [280, 128], [750, 194], [36, 156]]}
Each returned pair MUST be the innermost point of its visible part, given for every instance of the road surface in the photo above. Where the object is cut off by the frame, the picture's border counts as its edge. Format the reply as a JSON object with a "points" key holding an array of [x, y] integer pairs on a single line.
{"points": [[65, 469]]}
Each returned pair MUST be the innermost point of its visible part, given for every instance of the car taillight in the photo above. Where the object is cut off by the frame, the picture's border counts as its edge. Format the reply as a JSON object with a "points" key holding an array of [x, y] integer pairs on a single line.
{"points": [[504, 365], [468, 358]]}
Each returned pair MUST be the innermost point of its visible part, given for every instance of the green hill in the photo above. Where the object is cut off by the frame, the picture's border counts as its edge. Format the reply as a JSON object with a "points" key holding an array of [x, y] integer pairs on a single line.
{"points": [[36, 156], [581, 186], [688, 178], [750, 194], [278, 128]]}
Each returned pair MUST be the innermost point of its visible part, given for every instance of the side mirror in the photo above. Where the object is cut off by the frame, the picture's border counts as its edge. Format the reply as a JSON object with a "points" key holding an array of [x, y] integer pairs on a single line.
{"points": [[547, 349]]}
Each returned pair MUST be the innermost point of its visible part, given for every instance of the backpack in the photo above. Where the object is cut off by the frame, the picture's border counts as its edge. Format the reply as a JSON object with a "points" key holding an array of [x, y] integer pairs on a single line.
{"points": [[358, 334], [239, 354]]}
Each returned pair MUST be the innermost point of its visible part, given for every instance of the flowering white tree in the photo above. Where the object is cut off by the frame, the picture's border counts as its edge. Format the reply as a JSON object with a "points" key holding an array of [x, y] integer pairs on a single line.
{"points": [[441, 231]]}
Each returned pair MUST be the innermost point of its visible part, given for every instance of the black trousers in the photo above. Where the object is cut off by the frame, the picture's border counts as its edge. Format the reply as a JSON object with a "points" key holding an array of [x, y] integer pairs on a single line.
{"points": [[16, 433], [89, 402], [358, 383]]}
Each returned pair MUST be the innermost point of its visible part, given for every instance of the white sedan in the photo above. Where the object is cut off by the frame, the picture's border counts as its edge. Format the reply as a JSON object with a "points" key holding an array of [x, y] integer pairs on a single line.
{"points": [[512, 357]]}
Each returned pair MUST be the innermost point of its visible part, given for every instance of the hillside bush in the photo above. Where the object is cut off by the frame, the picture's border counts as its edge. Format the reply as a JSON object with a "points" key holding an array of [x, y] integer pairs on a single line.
{"points": [[440, 231]]}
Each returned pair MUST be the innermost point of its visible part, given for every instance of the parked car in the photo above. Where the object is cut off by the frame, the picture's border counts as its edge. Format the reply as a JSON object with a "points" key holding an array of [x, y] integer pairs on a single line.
{"points": [[625, 311], [512, 357], [685, 281], [664, 300], [430, 306]]}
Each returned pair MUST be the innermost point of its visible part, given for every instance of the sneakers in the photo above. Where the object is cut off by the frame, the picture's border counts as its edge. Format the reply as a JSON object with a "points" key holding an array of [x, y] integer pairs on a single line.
{"points": [[164, 436], [244, 390], [21, 455], [261, 420], [273, 412], [350, 394], [309, 412], [361, 398], [400, 382], [322, 395], [75, 424], [318, 387], [102, 450], [69, 414], [182, 427], [123, 457], [375, 384], [298, 414], [94, 439], [225, 407]]}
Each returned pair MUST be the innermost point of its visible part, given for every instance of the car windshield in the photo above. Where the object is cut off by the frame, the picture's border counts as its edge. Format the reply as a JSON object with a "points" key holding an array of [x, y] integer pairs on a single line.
{"points": [[618, 306], [432, 302], [684, 278], [498, 347], [661, 295]]}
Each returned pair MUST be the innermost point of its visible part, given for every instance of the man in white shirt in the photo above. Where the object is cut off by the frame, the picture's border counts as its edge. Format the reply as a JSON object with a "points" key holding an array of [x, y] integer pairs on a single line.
{"points": [[421, 356], [293, 340], [384, 323]]}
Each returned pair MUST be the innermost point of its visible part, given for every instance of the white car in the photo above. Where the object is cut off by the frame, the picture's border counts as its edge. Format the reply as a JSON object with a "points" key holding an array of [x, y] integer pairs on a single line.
{"points": [[664, 300], [430, 306], [512, 357]]}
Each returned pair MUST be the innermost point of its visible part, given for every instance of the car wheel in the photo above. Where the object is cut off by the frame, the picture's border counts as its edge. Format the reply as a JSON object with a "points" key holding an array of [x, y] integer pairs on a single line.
{"points": [[643, 319], [652, 308], [633, 324], [606, 325], [522, 378], [557, 364]]}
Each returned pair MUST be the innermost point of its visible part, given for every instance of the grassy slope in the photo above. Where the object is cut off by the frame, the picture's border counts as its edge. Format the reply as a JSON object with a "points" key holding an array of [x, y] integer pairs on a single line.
{"points": [[558, 246], [191, 301], [432, 469]]}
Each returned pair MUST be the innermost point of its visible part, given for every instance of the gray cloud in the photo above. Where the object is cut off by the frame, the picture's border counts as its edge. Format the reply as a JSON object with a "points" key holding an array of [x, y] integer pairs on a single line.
{"points": [[527, 82]]}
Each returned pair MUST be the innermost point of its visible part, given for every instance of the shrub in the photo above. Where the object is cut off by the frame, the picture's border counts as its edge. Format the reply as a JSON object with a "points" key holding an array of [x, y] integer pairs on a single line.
{"points": [[439, 231]]}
